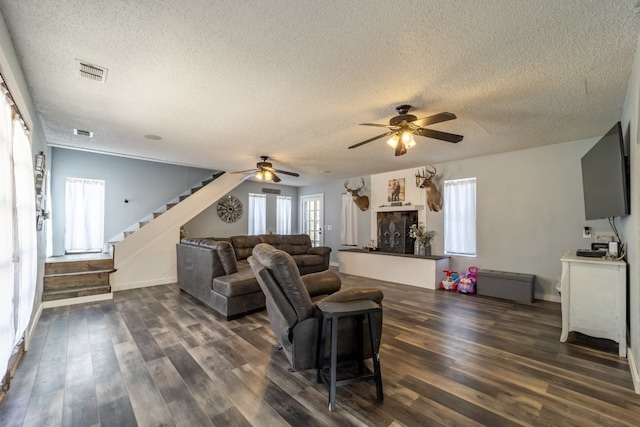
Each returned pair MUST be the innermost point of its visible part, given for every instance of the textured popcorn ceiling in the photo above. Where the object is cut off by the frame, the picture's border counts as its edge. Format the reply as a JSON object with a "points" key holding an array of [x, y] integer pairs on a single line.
{"points": [[223, 82]]}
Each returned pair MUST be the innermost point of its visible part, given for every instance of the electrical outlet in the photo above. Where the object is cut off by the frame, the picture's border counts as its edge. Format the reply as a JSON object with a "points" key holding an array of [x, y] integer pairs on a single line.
{"points": [[586, 232]]}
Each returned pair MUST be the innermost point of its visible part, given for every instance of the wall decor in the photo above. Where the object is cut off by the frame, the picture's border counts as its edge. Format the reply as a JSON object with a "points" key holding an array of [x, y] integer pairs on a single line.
{"points": [[229, 209], [396, 190]]}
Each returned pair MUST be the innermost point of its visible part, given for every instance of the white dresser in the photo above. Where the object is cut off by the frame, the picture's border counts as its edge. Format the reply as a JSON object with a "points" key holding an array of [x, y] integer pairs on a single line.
{"points": [[594, 295]]}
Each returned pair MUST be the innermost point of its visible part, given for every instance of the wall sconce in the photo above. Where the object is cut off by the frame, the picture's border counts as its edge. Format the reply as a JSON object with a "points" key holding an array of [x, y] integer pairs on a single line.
{"points": [[40, 163]]}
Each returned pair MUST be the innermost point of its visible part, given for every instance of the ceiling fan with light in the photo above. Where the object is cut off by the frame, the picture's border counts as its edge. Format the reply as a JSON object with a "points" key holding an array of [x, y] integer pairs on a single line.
{"points": [[404, 126], [265, 172]]}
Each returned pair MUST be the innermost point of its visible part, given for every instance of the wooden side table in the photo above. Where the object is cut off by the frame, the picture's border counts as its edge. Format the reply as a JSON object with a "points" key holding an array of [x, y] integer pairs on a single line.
{"points": [[332, 312]]}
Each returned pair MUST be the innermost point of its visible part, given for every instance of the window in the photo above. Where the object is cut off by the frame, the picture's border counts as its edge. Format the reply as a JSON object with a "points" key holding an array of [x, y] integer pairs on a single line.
{"points": [[460, 217], [83, 215], [283, 215], [18, 252], [257, 214]]}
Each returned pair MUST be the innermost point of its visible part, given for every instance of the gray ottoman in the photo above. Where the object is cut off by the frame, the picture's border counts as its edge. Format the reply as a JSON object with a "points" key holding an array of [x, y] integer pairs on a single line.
{"points": [[503, 284]]}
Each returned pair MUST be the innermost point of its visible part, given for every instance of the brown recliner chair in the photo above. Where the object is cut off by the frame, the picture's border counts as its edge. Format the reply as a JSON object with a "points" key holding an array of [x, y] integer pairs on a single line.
{"points": [[294, 318]]}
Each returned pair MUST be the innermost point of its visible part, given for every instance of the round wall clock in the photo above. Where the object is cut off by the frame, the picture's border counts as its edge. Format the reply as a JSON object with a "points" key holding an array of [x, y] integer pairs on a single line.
{"points": [[229, 209]]}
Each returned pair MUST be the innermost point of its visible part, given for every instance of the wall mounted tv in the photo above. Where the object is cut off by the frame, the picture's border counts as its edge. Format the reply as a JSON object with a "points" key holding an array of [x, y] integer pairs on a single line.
{"points": [[605, 177]]}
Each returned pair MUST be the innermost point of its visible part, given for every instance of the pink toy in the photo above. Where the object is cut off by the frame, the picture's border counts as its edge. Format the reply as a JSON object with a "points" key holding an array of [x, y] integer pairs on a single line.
{"points": [[468, 281]]}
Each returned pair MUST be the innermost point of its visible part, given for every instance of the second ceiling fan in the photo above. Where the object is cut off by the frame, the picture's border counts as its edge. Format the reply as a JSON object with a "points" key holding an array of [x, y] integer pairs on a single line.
{"points": [[265, 171], [404, 126]]}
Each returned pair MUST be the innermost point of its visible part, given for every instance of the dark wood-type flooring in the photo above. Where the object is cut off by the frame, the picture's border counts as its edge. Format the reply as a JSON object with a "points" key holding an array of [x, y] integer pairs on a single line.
{"points": [[157, 357]]}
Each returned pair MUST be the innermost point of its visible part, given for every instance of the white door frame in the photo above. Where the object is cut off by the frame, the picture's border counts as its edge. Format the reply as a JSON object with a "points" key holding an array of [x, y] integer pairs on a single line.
{"points": [[317, 235]]}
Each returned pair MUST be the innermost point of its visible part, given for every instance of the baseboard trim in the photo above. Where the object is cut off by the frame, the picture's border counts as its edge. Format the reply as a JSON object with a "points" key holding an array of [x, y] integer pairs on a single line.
{"points": [[334, 264], [552, 298], [635, 374], [32, 330], [136, 285], [77, 300]]}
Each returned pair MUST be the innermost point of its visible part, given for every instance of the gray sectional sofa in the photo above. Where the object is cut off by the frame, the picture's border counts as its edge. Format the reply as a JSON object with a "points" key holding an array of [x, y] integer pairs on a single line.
{"points": [[216, 271]]}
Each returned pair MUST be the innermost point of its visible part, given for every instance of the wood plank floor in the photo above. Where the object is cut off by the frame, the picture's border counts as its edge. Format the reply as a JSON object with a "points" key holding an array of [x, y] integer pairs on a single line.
{"points": [[157, 357]]}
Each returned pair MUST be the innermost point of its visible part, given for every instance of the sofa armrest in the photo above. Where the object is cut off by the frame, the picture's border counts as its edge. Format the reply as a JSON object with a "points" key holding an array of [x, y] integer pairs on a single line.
{"points": [[355, 294], [319, 250], [322, 283]]}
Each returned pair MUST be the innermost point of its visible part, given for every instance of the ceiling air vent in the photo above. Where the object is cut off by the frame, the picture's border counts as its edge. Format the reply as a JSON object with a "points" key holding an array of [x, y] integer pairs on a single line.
{"points": [[91, 72], [83, 133]]}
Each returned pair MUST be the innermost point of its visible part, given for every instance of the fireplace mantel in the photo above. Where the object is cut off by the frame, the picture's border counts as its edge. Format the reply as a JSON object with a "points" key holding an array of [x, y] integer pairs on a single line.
{"points": [[399, 208]]}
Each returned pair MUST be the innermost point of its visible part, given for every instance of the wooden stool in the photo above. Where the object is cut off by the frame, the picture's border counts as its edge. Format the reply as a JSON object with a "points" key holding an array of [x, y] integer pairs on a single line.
{"points": [[333, 311]]}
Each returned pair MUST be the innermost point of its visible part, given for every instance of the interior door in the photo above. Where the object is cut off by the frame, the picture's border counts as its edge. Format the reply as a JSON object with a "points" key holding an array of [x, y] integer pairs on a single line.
{"points": [[311, 217]]}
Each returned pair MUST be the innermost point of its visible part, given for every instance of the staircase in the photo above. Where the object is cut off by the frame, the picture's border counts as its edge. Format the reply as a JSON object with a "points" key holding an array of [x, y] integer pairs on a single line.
{"points": [[144, 221], [76, 276], [86, 275]]}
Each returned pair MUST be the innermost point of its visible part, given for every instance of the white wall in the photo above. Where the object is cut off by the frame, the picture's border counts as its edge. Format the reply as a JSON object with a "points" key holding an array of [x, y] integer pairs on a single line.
{"points": [[530, 210], [630, 119], [146, 185], [209, 224], [12, 72]]}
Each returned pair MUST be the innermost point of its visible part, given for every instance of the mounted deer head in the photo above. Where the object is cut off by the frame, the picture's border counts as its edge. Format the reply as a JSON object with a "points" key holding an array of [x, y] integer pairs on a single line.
{"points": [[362, 202], [425, 179]]}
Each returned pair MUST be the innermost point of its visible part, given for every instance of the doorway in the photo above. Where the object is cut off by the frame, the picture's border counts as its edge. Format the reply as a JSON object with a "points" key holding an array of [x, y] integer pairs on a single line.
{"points": [[311, 217]]}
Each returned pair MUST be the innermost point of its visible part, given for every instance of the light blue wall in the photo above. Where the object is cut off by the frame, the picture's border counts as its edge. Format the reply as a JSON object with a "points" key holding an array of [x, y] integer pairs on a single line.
{"points": [[208, 224], [332, 212], [146, 185]]}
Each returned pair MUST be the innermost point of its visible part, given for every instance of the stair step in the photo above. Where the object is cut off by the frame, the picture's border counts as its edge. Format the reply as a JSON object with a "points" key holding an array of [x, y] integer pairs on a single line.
{"points": [[128, 233], [142, 223], [195, 189], [170, 205], [86, 265], [64, 294], [184, 197], [207, 181], [71, 281], [157, 214]]}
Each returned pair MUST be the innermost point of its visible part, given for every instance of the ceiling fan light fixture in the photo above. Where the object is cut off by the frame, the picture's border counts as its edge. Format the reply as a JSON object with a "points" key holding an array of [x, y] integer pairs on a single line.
{"points": [[407, 138], [410, 144], [260, 175], [268, 175], [393, 141]]}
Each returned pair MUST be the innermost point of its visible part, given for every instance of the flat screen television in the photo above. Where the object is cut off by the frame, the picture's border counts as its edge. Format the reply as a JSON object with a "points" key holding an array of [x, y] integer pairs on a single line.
{"points": [[605, 178]]}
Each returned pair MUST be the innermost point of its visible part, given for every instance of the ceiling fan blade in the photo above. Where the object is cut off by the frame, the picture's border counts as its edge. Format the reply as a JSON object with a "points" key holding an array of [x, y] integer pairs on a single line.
{"points": [[275, 178], [372, 139], [246, 171], [375, 124], [444, 136], [286, 172], [400, 149], [436, 118]]}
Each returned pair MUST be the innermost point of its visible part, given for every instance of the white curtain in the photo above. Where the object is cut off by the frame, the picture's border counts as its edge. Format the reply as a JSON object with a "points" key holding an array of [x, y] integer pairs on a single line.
{"points": [[460, 216], [283, 215], [84, 215], [257, 214], [25, 228], [349, 221], [7, 284]]}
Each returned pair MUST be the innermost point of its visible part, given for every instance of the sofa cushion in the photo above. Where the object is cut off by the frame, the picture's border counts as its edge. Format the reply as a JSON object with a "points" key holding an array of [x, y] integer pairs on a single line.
{"points": [[243, 245], [241, 283]]}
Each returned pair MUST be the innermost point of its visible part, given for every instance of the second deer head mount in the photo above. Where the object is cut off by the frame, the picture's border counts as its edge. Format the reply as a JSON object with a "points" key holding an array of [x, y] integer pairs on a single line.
{"points": [[362, 202], [426, 179]]}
